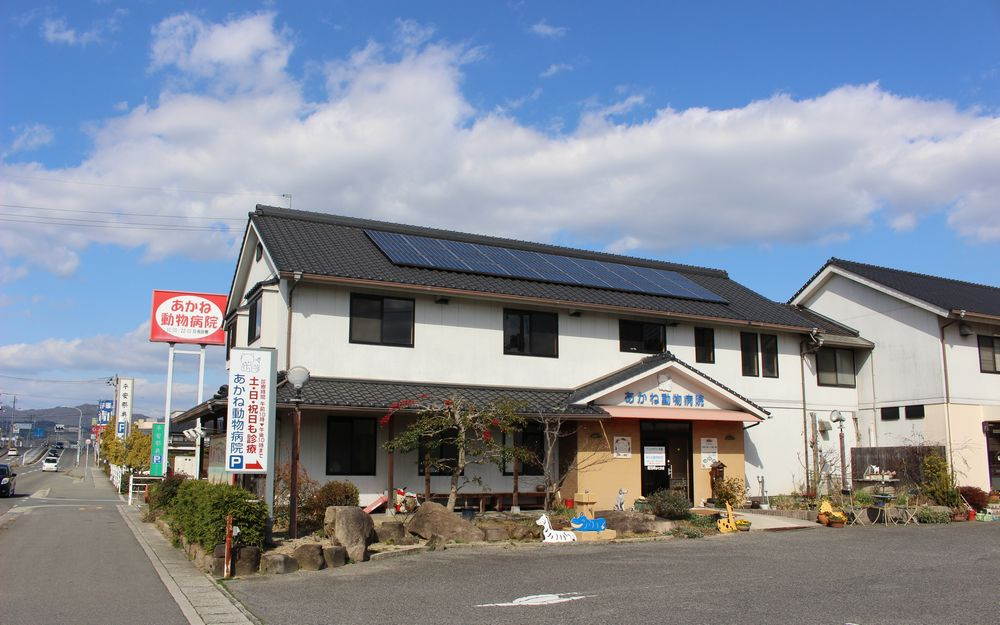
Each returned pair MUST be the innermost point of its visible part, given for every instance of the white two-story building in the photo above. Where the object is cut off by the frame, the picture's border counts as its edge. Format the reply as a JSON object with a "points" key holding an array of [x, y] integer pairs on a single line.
{"points": [[660, 369], [933, 375]]}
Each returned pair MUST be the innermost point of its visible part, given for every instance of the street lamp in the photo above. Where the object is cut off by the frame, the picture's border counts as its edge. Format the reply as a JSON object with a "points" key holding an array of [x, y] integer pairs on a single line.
{"points": [[297, 377], [79, 430]]}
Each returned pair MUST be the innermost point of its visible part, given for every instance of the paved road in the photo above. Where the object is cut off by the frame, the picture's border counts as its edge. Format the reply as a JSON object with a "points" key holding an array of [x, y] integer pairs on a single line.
{"points": [[905, 575], [67, 556]]}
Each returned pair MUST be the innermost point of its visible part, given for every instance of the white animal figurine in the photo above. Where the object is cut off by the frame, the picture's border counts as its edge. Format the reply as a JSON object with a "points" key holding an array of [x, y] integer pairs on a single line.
{"points": [[620, 503], [550, 535]]}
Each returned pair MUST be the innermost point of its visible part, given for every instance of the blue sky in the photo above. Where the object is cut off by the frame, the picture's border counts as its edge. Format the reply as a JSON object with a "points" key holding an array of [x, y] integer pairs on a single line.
{"points": [[761, 138]]}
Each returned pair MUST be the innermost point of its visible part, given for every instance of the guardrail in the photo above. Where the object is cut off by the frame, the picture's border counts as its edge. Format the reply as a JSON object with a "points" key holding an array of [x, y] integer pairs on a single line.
{"points": [[138, 484]]}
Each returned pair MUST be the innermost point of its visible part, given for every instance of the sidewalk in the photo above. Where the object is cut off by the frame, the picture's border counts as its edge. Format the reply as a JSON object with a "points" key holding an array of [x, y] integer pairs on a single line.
{"points": [[200, 599]]}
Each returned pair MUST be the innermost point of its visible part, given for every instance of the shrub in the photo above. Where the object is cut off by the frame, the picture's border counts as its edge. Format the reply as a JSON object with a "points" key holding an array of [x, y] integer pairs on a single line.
{"points": [[332, 493], [864, 498], [162, 493], [701, 521], [929, 515], [282, 493], [200, 508], [669, 504], [730, 490], [938, 485], [976, 497], [688, 532]]}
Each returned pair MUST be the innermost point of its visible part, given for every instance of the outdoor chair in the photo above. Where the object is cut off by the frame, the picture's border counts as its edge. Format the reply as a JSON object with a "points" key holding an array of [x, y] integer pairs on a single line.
{"points": [[856, 515]]}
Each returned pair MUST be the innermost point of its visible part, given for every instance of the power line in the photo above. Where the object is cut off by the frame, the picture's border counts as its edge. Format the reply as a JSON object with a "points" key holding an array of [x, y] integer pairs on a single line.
{"points": [[122, 214], [81, 223], [103, 380], [164, 190]]}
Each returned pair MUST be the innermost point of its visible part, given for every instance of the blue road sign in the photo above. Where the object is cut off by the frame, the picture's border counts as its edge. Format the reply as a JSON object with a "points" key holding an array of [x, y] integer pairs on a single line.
{"points": [[39, 432]]}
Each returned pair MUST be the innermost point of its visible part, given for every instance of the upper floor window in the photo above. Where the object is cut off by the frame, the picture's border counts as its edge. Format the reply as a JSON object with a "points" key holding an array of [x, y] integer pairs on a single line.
{"points": [[530, 333], [381, 320], [642, 337], [835, 367], [767, 345], [989, 354], [253, 321], [704, 345]]}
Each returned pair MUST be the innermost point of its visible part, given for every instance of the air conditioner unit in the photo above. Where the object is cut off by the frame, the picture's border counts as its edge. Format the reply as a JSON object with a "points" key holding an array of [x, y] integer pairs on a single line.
{"points": [[824, 425]]}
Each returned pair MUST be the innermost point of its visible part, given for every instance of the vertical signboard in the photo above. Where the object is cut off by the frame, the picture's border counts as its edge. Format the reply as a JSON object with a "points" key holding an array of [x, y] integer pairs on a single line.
{"points": [[126, 392], [250, 411], [105, 408], [157, 458]]}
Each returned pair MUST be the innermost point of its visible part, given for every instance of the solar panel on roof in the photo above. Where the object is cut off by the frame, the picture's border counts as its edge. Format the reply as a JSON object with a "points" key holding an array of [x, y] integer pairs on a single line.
{"points": [[418, 251]]}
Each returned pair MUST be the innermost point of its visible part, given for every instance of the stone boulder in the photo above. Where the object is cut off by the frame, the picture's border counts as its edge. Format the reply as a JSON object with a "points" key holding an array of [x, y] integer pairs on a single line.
{"points": [[334, 556], [390, 531], [247, 561], [309, 556], [524, 532], [496, 534], [623, 521], [277, 564], [351, 527], [435, 542], [433, 518]]}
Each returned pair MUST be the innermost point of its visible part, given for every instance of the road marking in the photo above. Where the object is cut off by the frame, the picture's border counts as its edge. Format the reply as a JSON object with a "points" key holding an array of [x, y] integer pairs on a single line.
{"points": [[549, 599]]}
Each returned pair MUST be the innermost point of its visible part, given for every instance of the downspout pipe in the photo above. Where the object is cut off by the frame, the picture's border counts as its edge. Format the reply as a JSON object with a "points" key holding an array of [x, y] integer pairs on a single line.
{"points": [[947, 391], [296, 277], [808, 345]]}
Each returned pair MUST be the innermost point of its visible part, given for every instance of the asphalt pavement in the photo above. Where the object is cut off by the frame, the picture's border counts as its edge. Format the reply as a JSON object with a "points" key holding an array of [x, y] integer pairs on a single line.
{"points": [[68, 556], [866, 576]]}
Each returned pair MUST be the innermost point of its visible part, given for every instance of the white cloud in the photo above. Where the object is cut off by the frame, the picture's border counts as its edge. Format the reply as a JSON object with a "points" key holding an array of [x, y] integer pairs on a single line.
{"points": [[29, 137], [543, 29], [57, 30], [554, 69], [395, 138]]}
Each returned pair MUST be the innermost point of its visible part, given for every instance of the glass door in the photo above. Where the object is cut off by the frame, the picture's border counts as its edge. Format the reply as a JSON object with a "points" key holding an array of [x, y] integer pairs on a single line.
{"points": [[666, 456]]}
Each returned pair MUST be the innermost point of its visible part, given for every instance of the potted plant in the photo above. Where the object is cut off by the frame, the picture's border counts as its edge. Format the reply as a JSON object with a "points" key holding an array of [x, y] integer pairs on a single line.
{"points": [[743, 525], [836, 518], [958, 513]]}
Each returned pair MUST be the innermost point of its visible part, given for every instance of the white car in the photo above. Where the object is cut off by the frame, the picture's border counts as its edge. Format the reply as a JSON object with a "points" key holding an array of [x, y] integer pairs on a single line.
{"points": [[50, 464]]}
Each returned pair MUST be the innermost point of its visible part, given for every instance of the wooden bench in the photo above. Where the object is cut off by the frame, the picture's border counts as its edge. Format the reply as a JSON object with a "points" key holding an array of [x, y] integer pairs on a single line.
{"points": [[493, 500]]}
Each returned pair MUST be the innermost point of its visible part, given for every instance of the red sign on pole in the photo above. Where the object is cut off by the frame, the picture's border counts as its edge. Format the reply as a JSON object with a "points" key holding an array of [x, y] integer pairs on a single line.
{"points": [[180, 317]]}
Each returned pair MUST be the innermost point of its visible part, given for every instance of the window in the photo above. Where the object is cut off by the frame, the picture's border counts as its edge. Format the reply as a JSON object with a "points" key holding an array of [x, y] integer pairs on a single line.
{"points": [[532, 438], [381, 320], [989, 354], [529, 333], [748, 347], [350, 446], [444, 453], [769, 355], [253, 321], [890, 413], [704, 345], [835, 367], [642, 337], [915, 412]]}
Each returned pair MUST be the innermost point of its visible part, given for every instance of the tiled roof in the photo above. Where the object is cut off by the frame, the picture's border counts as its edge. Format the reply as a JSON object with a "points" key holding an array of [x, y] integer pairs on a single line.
{"points": [[327, 245], [825, 324], [942, 292], [375, 394], [647, 364]]}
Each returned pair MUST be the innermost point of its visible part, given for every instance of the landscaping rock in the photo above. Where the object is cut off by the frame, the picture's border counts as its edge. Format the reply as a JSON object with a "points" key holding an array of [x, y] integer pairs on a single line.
{"points": [[435, 542], [277, 564], [219, 551], [632, 522], [525, 532], [496, 534], [247, 561], [309, 556], [351, 527], [334, 556], [390, 531], [433, 518], [218, 568]]}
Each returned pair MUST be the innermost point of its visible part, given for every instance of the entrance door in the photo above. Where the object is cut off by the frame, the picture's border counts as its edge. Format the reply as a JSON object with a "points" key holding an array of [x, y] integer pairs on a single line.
{"points": [[993, 449], [666, 456]]}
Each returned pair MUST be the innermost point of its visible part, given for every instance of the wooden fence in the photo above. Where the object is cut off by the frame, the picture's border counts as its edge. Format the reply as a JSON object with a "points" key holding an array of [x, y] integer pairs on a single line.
{"points": [[906, 461]]}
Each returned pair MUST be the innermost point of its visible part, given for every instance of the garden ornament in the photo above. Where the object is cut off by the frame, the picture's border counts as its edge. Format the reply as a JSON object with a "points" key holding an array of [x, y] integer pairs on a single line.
{"points": [[620, 502], [583, 524], [550, 535]]}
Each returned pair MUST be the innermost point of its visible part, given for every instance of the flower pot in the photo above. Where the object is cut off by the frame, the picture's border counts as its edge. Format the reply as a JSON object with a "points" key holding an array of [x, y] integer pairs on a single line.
{"points": [[972, 515], [836, 524], [822, 518]]}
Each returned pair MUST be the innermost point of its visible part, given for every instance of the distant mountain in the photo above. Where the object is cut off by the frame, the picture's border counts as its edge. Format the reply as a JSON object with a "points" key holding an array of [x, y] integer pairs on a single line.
{"points": [[48, 417]]}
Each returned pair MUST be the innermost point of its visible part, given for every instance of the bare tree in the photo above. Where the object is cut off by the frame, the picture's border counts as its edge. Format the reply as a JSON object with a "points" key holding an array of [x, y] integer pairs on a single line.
{"points": [[556, 427]]}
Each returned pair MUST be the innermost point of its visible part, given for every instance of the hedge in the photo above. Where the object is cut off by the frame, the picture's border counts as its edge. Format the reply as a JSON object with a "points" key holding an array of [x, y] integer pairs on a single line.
{"points": [[199, 511]]}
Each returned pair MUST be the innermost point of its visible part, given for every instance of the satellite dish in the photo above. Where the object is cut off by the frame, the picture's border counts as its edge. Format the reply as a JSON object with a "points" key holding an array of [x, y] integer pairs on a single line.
{"points": [[836, 417]]}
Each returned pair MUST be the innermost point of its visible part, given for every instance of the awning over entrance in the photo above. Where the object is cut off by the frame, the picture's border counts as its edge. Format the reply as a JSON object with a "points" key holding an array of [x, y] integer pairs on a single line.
{"points": [[680, 414]]}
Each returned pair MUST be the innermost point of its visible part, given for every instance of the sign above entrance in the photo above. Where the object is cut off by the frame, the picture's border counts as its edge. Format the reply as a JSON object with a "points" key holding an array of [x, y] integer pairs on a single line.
{"points": [[665, 399]]}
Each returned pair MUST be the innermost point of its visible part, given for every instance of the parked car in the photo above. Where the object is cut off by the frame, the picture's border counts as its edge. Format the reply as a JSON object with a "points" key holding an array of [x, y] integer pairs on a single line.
{"points": [[6, 480], [50, 464], [12, 451]]}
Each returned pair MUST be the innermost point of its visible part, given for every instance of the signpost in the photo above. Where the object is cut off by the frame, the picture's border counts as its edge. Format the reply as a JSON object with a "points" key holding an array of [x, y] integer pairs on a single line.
{"points": [[126, 392], [251, 414], [158, 453]]}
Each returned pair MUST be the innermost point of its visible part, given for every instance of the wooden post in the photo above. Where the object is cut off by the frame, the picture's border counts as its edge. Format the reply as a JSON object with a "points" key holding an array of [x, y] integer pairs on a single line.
{"points": [[513, 498], [427, 475], [293, 496], [227, 570], [391, 468]]}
